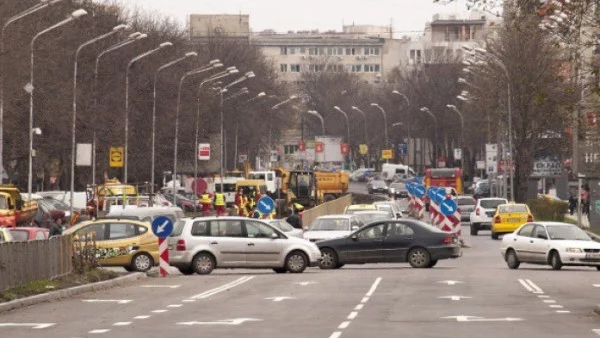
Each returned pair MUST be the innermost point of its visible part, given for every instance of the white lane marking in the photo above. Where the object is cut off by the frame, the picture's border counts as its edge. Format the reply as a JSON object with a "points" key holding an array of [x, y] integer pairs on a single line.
{"points": [[161, 286], [373, 287], [222, 288], [188, 300], [364, 300], [455, 297], [336, 334], [279, 299], [536, 289], [36, 326], [236, 321], [352, 315], [525, 285], [159, 311], [359, 307], [556, 306], [451, 282], [563, 311], [306, 283], [481, 319], [118, 301], [175, 305], [596, 331], [596, 285], [122, 323], [548, 301], [98, 331], [141, 317], [543, 296], [344, 325]]}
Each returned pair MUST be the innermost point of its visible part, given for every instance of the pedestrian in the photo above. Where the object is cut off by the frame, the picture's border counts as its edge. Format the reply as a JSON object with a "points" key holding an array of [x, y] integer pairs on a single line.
{"points": [[56, 227], [206, 202], [572, 204], [293, 219], [220, 204]]}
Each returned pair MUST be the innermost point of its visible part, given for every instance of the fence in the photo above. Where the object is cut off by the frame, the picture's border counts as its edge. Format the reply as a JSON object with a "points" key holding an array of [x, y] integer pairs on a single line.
{"points": [[23, 262], [328, 208]]}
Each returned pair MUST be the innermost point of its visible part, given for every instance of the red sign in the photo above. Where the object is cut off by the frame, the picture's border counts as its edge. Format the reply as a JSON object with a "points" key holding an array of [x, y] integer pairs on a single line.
{"points": [[319, 147], [504, 166], [345, 147], [204, 151], [301, 145]]}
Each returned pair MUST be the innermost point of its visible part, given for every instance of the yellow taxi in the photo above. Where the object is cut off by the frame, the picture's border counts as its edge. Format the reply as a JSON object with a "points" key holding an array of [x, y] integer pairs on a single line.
{"points": [[351, 209], [509, 217], [127, 243]]}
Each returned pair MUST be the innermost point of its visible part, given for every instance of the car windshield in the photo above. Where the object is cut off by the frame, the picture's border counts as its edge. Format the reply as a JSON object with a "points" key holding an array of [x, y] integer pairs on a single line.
{"points": [[378, 184], [330, 224], [567, 232], [283, 226], [398, 186], [491, 204], [372, 217], [465, 201], [505, 209], [20, 235]]}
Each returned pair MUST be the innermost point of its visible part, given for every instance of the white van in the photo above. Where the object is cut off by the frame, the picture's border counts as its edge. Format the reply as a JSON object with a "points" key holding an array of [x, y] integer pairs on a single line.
{"points": [[389, 170], [269, 177], [79, 197], [228, 187]]}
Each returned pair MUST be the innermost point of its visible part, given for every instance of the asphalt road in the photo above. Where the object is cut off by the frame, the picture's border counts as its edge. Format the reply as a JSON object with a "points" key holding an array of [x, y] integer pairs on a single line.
{"points": [[473, 296]]}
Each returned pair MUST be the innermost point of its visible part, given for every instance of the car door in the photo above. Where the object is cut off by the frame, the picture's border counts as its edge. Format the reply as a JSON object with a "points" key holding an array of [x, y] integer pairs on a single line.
{"points": [[365, 246], [539, 244], [521, 243], [398, 239], [263, 250], [228, 242], [122, 241]]}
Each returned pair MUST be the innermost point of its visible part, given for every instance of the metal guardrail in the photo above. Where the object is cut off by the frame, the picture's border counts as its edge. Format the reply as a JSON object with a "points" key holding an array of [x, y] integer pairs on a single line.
{"points": [[334, 207], [23, 262]]}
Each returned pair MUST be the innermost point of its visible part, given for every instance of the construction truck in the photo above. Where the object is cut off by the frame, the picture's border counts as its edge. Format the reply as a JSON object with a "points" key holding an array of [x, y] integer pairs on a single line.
{"points": [[14, 210], [311, 188], [113, 192]]}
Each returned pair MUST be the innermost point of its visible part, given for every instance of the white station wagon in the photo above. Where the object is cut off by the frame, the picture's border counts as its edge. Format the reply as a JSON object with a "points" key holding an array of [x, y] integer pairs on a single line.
{"points": [[550, 243], [202, 244]]}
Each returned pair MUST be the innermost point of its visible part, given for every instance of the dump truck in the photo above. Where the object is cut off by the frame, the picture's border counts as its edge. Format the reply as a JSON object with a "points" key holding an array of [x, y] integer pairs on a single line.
{"points": [[14, 210], [332, 185]]}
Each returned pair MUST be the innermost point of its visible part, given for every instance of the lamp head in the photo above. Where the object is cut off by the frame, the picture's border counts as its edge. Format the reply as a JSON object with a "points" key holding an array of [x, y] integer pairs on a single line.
{"points": [[396, 92], [467, 48], [336, 107], [355, 107], [233, 71], [134, 35], [293, 97], [230, 68], [217, 65], [261, 94], [374, 105], [165, 44], [142, 36], [250, 74], [78, 13], [480, 50], [190, 54], [121, 27], [451, 106]]}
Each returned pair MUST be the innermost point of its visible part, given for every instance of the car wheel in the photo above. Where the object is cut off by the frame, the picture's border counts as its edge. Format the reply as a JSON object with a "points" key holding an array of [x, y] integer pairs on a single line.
{"points": [[512, 260], [432, 263], [186, 271], [280, 270], [598, 268], [339, 266], [474, 229], [494, 235], [329, 259], [142, 262], [203, 263], [555, 261], [419, 258], [296, 262]]}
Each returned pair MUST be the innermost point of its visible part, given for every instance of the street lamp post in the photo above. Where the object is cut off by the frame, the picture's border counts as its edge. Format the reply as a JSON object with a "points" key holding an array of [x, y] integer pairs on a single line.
{"points": [[30, 88], [115, 30], [275, 107], [156, 74], [408, 127], [426, 110], [384, 122], [348, 130], [315, 113], [366, 135], [141, 56], [462, 132], [246, 105], [11, 20]]}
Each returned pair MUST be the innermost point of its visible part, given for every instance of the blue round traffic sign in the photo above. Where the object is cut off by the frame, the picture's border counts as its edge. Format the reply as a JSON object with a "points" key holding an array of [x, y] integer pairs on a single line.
{"points": [[440, 195], [162, 226], [409, 188], [448, 206], [419, 190], [431, 192], [265, 205]]}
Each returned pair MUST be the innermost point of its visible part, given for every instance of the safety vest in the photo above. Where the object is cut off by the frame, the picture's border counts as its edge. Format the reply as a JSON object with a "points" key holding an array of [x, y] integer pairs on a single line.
{"points": [[219, 199], [205, 199], [298, 206]]}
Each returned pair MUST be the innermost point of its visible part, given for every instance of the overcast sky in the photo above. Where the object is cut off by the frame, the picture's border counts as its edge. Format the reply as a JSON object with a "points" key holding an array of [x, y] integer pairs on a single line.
{"points": [[283, 15]]}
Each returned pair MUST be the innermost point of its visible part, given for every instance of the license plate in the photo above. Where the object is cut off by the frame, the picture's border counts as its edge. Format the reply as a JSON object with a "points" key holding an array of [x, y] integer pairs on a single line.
{"points": [[513, 220], [592, 255]]}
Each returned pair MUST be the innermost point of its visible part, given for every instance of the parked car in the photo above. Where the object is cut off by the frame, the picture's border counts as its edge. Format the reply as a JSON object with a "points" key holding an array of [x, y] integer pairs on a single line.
{"points": [[79, 198], [377, 187], [332, 226], [509, 217], [550, 243], [391, 241], [466, 204], [202, 244], [126, 243], [24, 234], [146, 214], [5, 235], [359, 207], [46, 212], [481, 217], [398, 190], [286, 227], [367, 217], [389, 206], [183, 202]]}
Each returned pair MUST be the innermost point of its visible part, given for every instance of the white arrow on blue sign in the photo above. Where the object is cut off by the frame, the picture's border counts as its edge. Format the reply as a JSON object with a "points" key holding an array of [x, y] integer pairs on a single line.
{"points": [[419, 190], [265, 205], [162, 227], [448, 206]]}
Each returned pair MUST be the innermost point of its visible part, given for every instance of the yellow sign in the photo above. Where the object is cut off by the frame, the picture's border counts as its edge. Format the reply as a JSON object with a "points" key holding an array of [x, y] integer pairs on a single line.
{"points": [[387, 154], [364, 149], [116, 157]]}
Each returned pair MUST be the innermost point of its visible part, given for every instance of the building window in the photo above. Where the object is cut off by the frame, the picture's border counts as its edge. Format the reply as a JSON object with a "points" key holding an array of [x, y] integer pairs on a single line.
{"points": [[449, 55], [372, 68], [283, 50], [312, 51], [283, 67], [316, 68], [372, 51], [292, 50], [321, 51], [418, 56], [295, 68], [350, 51], [354, 68], [290, 149], [302, 50]]}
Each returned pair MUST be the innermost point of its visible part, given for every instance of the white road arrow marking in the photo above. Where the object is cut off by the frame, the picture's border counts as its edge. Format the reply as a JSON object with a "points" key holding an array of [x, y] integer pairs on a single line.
{"points": [[162, 227], [36, 326], [161, 286], [451, 282], [455, 297], [118, 301], [596, 285], [481, 319], [279, 299], [306, 283], [236, 321]]}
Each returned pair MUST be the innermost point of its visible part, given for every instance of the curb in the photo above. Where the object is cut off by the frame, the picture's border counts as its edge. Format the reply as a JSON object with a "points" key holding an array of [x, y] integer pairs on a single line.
{"points": [[69, 292]]}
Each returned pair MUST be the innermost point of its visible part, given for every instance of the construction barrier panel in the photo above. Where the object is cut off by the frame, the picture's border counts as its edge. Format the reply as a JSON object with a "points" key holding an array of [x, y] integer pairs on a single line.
{"points": [[334, 207]]}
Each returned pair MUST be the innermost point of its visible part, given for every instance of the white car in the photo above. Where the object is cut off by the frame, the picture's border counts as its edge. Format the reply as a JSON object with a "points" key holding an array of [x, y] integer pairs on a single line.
{"points": [[332, 226], [550, 243], [285, 227], [481, 217]]}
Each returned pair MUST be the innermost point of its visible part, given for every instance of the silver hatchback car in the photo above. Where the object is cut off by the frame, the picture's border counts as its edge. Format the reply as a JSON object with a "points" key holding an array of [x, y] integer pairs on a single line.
{"points": [[202, 244]]}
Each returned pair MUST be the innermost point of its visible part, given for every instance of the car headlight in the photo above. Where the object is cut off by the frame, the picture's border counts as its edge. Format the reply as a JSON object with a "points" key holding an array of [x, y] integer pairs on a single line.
{"points": [[392, 191], [574, 250]]}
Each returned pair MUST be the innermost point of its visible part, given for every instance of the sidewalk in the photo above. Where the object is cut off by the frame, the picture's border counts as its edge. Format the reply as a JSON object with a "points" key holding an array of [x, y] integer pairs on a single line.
{"points": [[584, 219]]}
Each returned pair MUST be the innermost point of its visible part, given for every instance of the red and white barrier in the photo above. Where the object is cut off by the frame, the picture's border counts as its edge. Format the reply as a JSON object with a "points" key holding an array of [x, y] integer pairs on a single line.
{"points": [[420, 208], [163, 254]]}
